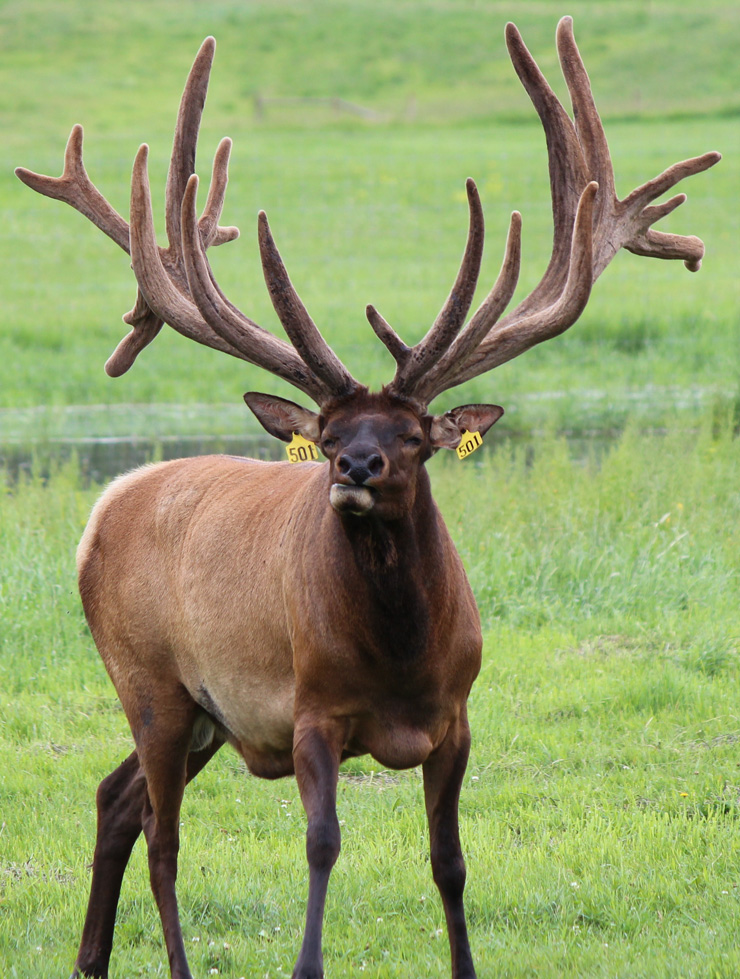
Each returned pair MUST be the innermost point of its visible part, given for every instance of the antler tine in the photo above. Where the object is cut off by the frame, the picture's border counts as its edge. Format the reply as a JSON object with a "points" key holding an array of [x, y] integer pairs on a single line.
{"points": [[659, 244], [155, 280], [212, 233], [184, 145], [146, 325], [598, 160], [385, 332], [252, 342], [75, 188], [673, 175], [294, 316], [486, 316], [567, 167], [422, 358], [589, 130], [235, 334], [518, 332]]}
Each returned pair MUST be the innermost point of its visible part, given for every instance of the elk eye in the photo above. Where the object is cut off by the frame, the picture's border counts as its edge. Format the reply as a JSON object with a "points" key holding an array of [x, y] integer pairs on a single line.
{"points": [[413, 441], [328, 444]]}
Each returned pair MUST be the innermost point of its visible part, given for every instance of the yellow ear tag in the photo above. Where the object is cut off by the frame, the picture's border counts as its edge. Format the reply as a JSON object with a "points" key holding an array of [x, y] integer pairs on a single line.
{"points": [[469, 442], [301, 450]]}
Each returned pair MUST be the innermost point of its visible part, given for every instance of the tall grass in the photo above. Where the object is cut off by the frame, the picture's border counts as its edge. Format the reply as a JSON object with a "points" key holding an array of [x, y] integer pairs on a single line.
{"points": [[634, 519], [600, 809]]}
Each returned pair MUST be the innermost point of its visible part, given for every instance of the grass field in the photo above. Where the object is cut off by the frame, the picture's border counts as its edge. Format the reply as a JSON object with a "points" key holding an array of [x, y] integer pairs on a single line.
{"points": [[600, 809]]}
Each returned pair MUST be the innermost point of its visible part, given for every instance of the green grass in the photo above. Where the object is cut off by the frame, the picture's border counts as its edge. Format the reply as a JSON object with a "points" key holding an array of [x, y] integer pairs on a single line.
{"points": [[600, 809], [448, 57]]}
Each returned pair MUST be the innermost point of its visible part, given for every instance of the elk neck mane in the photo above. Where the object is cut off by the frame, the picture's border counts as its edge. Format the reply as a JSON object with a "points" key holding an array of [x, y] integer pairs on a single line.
{"points": [[397, 566]]}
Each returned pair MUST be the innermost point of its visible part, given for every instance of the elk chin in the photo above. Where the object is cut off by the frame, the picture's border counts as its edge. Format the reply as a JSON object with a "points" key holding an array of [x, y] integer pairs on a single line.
{"points": [[358, 500]]}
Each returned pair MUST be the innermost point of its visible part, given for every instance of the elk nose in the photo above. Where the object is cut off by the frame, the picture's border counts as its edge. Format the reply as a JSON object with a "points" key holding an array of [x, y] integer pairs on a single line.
{"points": [[360, 467]]}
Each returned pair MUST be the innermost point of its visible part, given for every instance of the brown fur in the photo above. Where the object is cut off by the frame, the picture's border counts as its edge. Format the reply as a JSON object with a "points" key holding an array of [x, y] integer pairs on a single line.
{"points": [[249, 583]]}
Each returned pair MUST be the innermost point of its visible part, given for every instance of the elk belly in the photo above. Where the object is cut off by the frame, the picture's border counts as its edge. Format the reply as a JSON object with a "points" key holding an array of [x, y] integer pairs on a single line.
{"points": [[257, 721]]}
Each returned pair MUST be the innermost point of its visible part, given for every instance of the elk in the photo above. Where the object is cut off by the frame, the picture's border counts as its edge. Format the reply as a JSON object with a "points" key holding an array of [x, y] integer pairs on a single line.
{"points": [[218, 616]]}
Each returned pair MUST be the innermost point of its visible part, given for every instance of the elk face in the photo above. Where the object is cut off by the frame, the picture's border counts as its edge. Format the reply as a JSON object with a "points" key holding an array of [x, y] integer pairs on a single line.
{"points": [[375, 444]]}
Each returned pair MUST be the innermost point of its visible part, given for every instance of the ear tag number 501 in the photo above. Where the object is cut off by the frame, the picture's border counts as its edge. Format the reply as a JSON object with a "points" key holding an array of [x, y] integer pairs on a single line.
{"points": [[469, 442], [301, 450]]}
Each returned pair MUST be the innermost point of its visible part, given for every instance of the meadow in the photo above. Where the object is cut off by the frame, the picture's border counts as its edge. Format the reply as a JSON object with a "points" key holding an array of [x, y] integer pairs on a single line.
{"points": [[599, 527]]}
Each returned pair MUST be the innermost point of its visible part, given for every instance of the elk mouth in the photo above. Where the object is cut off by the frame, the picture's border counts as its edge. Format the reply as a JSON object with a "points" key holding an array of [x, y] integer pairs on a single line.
{"points": [[351, 498]]}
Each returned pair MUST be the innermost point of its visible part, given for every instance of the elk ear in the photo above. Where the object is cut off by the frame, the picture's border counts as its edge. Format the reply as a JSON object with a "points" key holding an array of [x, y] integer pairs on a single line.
{"points": [[447, 429], [282, 418]]}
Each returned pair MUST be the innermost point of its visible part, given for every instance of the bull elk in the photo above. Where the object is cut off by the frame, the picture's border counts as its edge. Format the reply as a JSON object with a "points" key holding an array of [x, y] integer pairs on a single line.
{"points": [[196, 575]]}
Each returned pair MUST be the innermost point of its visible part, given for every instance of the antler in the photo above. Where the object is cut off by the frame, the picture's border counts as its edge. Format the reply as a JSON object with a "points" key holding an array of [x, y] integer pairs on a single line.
{"points": [[590, 226], [176, 284], [163, 289]]}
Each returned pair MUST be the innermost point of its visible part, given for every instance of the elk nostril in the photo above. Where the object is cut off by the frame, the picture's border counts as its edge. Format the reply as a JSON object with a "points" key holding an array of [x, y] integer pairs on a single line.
{"points": [[361, 467]]}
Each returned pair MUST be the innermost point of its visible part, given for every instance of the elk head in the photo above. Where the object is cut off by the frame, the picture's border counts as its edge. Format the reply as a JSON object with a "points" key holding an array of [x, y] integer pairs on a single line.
{"points": [[375, 443]]}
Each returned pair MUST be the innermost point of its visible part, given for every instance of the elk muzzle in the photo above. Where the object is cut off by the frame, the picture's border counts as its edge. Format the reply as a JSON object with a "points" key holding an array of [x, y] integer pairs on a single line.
{"points": [[354, 469]]}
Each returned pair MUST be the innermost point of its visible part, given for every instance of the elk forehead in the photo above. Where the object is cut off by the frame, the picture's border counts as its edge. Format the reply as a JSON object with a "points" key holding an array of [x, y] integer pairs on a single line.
{"points": [[379, 428], [377, 418]]}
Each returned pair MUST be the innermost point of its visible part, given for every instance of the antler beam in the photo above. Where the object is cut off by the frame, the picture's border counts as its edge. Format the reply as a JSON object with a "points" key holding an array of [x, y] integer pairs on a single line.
{"points": [[75, 188]]}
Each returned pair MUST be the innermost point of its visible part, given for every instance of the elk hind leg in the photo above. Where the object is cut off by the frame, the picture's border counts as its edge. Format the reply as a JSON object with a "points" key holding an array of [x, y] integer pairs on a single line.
{"points": [[163, 743], [121, 798]]}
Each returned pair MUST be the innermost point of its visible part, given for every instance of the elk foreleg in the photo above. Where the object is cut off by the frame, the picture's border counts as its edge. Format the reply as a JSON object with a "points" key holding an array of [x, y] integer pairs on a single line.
{"points": [[316, 756], [120, 801], [443, 775], [163, 756]]}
